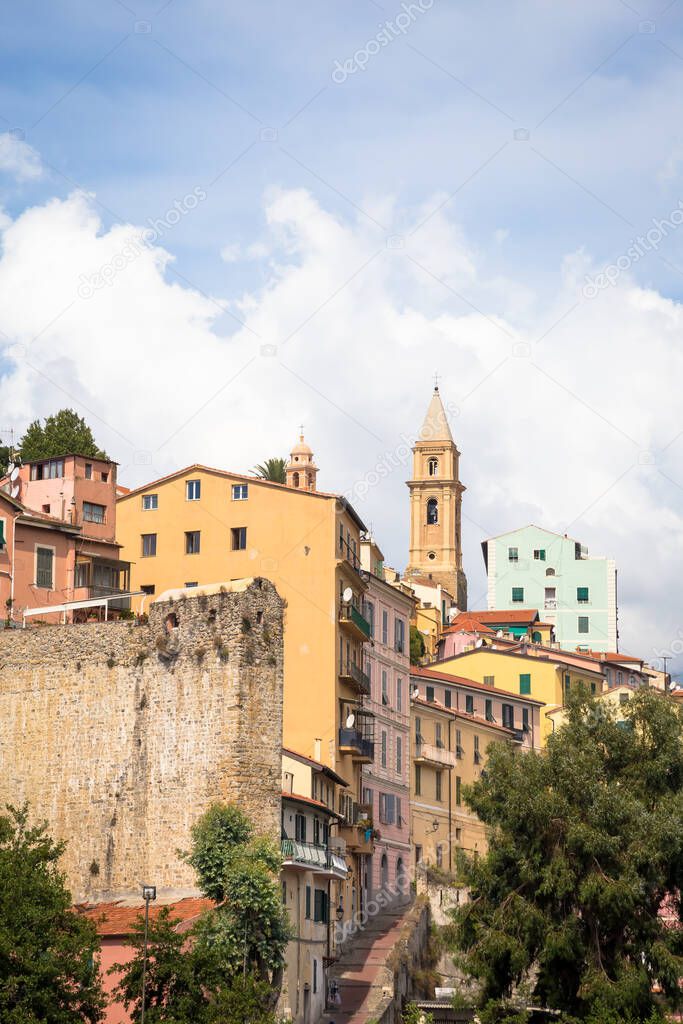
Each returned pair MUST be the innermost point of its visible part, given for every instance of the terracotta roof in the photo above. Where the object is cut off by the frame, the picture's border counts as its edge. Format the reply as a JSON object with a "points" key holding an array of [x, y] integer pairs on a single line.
{"points": [[610, 656], [506, 615], [428, 673], [529, 652], [465, 622], [309, 801], [316, 764], [117, 919], [197, 466]]}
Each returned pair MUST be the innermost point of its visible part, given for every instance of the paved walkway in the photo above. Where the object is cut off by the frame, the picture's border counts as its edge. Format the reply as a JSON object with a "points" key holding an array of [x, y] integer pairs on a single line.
{"points": [[359, 973]]}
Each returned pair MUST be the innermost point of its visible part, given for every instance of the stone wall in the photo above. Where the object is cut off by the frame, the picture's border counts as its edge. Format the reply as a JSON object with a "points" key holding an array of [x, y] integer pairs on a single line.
{"points": [[120, 734]]}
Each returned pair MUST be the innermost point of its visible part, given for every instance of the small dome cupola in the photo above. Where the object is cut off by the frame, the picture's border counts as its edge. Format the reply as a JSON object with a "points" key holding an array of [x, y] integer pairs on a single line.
{"points": [[301, 468]]}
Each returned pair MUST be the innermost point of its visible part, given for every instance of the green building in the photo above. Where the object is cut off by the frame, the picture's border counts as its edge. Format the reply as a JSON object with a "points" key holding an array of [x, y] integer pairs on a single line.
{"points": [[535, 568]]}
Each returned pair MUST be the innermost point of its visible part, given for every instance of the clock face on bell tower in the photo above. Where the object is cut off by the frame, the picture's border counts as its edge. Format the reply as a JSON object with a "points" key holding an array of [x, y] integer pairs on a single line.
{"points": [[435, 506]]}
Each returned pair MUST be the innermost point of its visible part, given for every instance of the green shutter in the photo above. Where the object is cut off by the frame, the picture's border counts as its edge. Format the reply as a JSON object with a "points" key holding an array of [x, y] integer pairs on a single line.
{"points": [[525, 682], [518, 593], [2, 534], [308, 902], [582, 593], [567, 683]]}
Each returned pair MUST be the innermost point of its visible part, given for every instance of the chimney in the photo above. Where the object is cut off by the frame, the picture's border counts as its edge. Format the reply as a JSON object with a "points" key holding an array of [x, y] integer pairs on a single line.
{"points": [[317, 749]]}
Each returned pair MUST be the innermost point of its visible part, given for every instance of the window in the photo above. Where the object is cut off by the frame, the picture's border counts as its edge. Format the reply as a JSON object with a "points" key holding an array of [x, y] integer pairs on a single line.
{"points": [[240, 492], [448, 697], [150, 502], [458, 790], [399, 635], [489, 711], [192, 583], [567, 683], [489, 680], [193, 490], [583, 624], [624, 698], [300, 828], [513, 554], [438, 737], [387, 808], [148, 588], [539, 554], [93, 513], [517, 594], [439, 855], [399, 755], [385, 688], [52, 470], [45, 568], [315, 976], [238, 538], [469, 704], [593, 688], [316, 831], [433, 467], [508, 713], [105, 476], [432, 512], [149, 545], [477, 754], [458, 743], [399, 694], [582, 595], [88, 471], [192, 542], [430, 693], [418, 853], [385, 627], [550, 572], [438, 779], [370, 616], [384, 749], [399, 821], [320, 906], [418, 780], [418, 730], [525, 682], [525, 719]]}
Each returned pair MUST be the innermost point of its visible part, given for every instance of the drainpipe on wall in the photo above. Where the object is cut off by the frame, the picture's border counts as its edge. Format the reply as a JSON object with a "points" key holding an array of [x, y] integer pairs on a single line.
{"points": [[450, 804], [11, 578]]}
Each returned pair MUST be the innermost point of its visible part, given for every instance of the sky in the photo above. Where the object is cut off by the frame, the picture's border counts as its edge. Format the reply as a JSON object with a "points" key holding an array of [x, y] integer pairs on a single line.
{"points": [[221, 221]]}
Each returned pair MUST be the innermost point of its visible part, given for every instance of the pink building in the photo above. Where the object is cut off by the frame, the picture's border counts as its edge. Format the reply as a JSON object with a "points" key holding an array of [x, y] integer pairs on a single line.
{"points": [[386, 782], [58, 534]]}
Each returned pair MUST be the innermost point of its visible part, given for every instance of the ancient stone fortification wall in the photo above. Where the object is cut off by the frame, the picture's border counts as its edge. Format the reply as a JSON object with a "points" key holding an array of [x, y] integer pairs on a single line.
{"points": [[120, 734]]}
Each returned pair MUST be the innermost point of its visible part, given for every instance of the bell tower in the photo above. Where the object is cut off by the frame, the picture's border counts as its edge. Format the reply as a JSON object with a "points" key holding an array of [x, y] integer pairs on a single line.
{"points": [[435, 506], [301, 470]]}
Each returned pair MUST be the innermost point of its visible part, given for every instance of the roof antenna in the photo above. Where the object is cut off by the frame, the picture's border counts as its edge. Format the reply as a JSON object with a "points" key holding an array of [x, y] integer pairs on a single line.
{"points": [[436, 381]]}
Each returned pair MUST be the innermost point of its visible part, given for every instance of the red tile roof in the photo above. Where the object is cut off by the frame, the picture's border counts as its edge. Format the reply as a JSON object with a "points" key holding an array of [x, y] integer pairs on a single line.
{"points": [[117, 919], [610, 656], [505, 615], [467, 623], [455, 713], [429, 673], [315, 764], [309, 801]]}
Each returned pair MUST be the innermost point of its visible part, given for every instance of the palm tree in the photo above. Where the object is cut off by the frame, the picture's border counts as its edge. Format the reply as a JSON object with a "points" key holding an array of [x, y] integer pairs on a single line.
{"points": [[273, 470]]}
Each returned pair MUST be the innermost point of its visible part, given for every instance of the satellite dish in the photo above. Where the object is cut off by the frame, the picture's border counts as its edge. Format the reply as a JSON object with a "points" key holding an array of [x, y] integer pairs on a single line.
{"points": [[416, 692], [13, 472], [499, 634], [347, 595], [479, 643], [14, 493], [350, 720]]}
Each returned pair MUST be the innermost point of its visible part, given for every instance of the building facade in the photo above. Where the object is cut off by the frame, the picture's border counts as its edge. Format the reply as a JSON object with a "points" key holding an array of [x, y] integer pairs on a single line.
{"points": [[58, 535], [386, 780], [436, 506], [200, 525], [575, 592]]}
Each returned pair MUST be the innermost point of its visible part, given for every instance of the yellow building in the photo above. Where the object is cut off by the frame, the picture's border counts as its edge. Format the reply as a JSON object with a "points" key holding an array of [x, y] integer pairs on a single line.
{"points": [[531, 670], [202, 525]]}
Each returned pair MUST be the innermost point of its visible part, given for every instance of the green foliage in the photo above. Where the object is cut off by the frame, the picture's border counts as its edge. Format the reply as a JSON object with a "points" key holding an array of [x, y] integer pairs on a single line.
{"points": [[412, 1014], [5, 452], [417, 646], [272, 469], [48, 954], [62, 434], [586, 842], [227, 969]]}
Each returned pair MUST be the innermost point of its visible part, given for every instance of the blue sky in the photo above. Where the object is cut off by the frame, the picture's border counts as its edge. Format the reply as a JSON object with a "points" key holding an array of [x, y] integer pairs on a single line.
{"points": [[435, 209]]}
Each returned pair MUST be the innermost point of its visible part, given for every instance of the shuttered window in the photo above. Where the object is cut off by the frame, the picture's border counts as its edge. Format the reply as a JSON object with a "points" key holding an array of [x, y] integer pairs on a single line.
{"points": [[45, 568]]}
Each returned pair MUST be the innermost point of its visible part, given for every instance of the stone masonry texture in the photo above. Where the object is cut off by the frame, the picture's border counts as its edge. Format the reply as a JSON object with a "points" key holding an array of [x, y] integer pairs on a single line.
{"points": [[121, 734]]}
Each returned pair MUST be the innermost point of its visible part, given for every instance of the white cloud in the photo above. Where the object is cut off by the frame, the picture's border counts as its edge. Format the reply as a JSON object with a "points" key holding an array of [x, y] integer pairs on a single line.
{"points": [[19, 159], [557, 424]]}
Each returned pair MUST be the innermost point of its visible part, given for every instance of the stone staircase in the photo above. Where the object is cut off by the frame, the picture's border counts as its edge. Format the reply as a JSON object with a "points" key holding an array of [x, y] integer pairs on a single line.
{"points": [[361, 973]]}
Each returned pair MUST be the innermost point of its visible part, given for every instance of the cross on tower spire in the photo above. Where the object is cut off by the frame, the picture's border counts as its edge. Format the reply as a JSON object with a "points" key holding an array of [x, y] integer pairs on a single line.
{"points": [[436, 381]]}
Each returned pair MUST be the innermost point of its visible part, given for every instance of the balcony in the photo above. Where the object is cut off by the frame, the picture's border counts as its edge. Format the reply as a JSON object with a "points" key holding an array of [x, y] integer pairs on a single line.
{"points": [[352, 742], [550, 604], [358, 838], [354, 674], [427, 753], [309, 857], [354, 622]]}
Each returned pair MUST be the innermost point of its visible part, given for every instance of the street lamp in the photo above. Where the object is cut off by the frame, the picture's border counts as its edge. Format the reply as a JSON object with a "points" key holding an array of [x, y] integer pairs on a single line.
{"points": [[149, 892], [340, 911]]}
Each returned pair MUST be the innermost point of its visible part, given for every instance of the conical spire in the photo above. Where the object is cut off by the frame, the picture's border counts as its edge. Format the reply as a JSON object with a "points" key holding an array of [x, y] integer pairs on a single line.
{"points": [[435, 426]]}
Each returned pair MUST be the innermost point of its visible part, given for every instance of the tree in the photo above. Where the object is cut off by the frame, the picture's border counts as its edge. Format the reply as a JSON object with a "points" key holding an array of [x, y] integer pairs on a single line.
{"points": [[62, 434], [272, 469], [5, 452], [417, 646], [586, 844], [49, 969], [227, 969]]}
